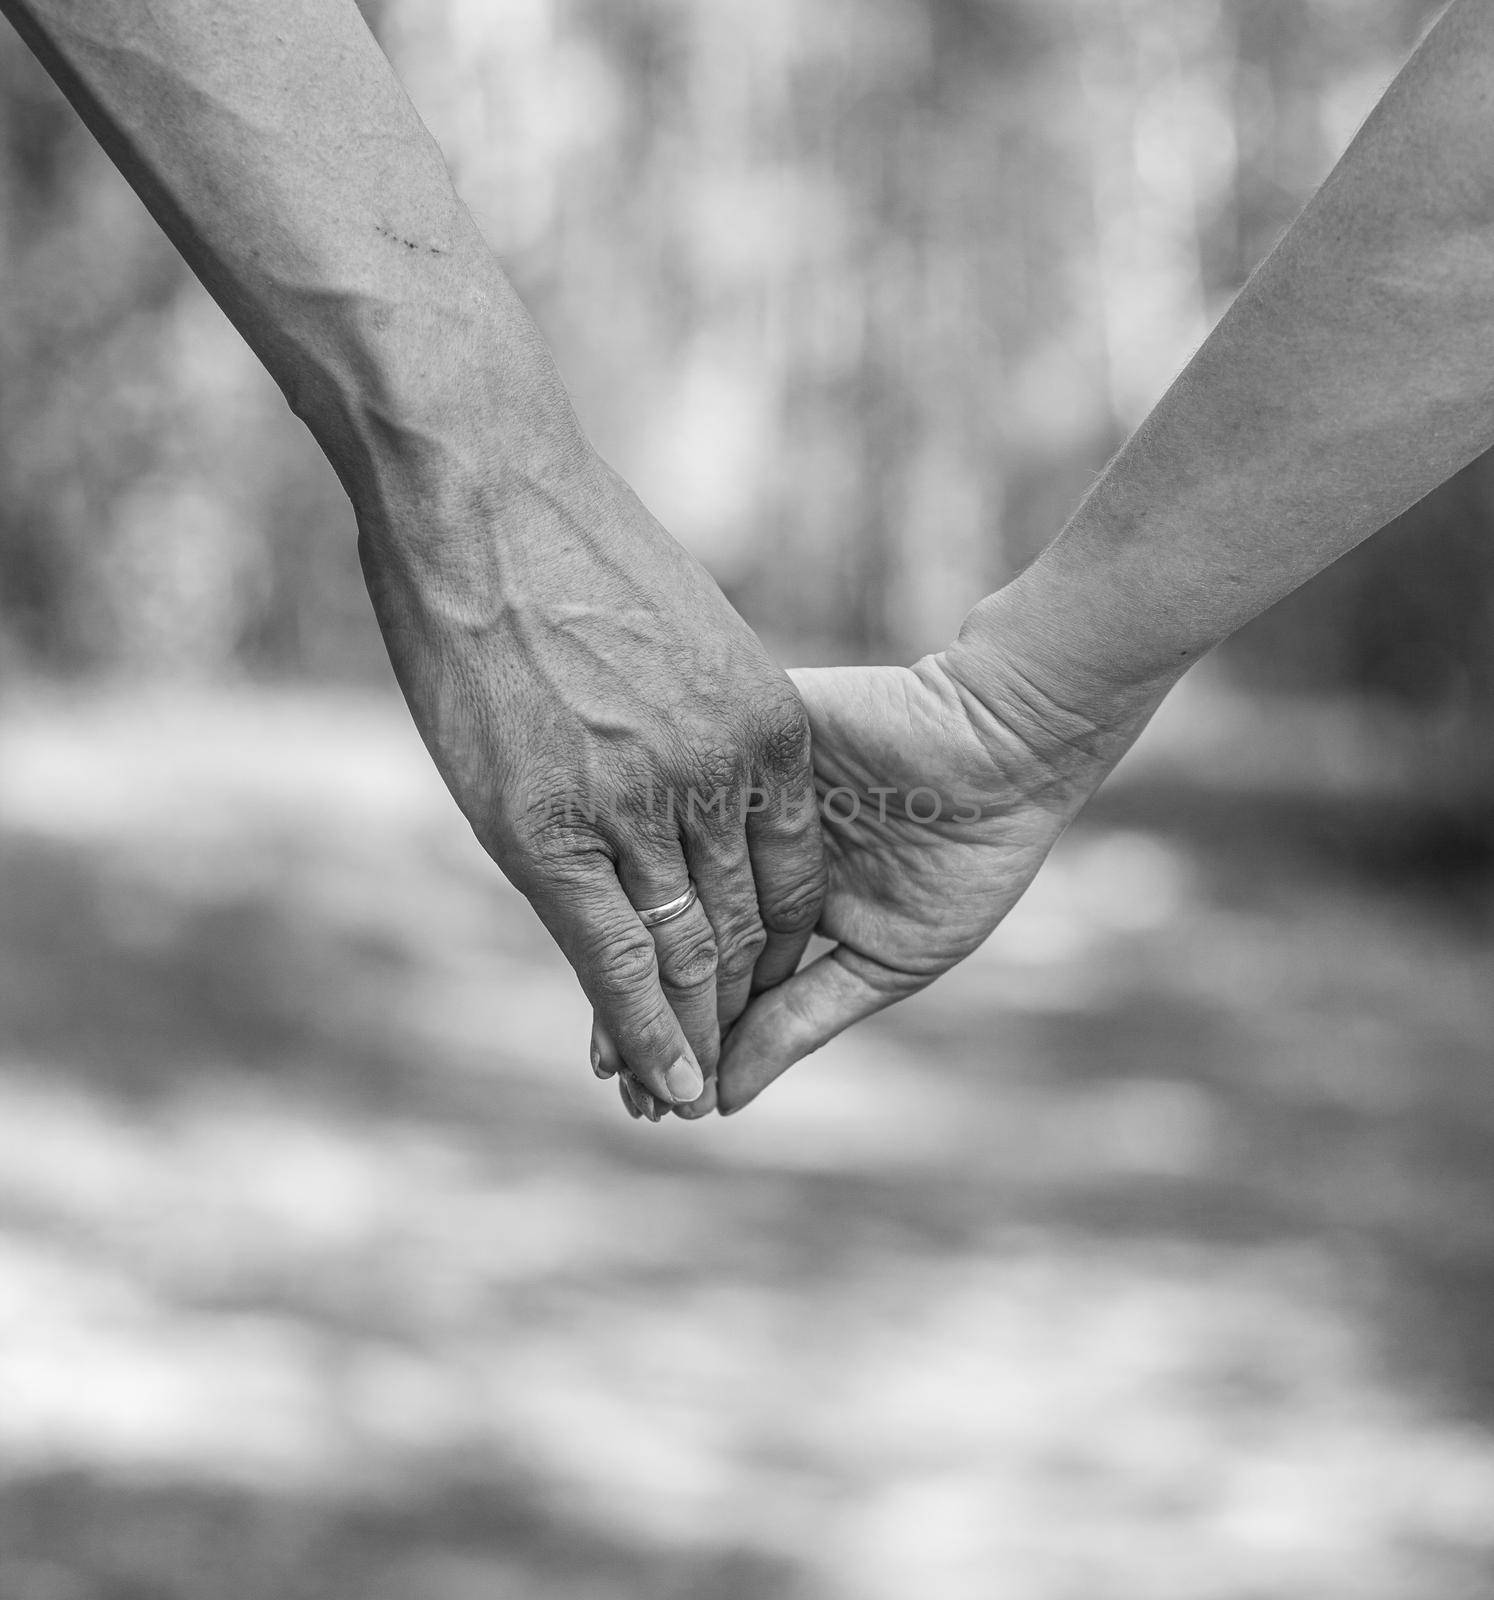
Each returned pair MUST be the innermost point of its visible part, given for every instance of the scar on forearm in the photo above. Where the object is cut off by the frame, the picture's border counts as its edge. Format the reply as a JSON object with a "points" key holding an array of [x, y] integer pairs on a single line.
{"points": [[409, 244]]}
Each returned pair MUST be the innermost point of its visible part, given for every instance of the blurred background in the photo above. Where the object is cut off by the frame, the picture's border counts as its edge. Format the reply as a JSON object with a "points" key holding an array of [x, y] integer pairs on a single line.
{"points": [[1150, 1255]]}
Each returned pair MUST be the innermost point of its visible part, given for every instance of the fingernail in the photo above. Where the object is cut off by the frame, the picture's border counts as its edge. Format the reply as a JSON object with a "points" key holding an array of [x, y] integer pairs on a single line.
{"points": [[597, 1065], [627, 1099], [642, 1100], [684, 1081]]}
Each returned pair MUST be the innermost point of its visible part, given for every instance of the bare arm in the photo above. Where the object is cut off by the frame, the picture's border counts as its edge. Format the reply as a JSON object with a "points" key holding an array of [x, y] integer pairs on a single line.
{"points": [[568, 665], [273, 144], [1353, 374]]}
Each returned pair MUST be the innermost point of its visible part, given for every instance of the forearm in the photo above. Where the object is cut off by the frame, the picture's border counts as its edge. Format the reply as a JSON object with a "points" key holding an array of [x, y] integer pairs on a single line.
{"points": [[273, 143], [1353, 374]]}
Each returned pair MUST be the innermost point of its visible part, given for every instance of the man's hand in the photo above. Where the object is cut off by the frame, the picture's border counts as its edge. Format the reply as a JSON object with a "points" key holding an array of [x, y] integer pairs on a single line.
{"points": [[611, 729], [938, 806], [574, 673]]}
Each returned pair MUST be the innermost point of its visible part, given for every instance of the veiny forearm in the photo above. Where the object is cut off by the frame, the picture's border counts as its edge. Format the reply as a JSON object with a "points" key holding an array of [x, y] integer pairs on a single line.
{"points": [[1354, 373], [273, 143]]}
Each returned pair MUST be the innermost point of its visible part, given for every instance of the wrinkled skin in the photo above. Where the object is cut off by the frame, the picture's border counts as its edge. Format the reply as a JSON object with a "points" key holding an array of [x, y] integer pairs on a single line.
{"points": [[571, 669], [909, 898]]}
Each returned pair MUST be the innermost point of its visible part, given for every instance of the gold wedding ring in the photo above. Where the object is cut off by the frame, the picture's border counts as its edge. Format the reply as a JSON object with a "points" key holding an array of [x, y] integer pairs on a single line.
{"points": [[669, 910]]}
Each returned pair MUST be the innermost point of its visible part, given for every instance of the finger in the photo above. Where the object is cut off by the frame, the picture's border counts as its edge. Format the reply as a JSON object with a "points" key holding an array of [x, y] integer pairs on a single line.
{"points": [[699, 1108], [637, 1099], [583, 905], [605, 1061], [722, 870], [787, 1023], [685, 946], [788, 867]]}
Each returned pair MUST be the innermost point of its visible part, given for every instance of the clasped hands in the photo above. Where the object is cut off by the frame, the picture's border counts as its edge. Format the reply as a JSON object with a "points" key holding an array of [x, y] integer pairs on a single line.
{"points": [[615, 733]]}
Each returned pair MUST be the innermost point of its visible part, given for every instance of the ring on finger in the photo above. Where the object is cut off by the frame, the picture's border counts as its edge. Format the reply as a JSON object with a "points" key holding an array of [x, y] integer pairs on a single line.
{"points": [[656, 916]]}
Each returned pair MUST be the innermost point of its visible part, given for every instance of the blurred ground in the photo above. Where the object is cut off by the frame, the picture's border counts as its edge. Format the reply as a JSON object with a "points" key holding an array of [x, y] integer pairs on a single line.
{"points": [[1151, 1255]]}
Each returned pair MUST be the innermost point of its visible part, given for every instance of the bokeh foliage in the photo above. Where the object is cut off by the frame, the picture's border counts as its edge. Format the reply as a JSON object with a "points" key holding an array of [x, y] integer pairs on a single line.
{"points": [[860, 293]]}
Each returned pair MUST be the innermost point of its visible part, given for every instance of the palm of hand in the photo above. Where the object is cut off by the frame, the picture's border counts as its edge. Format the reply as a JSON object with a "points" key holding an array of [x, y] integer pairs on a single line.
{"points": [[913, 888]]}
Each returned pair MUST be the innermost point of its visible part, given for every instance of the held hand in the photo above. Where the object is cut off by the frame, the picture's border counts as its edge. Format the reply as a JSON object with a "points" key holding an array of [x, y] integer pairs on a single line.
{"points": [[609, 726], [936, 813]]}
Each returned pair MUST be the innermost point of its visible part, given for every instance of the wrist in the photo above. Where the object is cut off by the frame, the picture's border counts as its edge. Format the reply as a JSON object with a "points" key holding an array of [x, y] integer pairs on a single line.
{"points": [[1030, 664]]}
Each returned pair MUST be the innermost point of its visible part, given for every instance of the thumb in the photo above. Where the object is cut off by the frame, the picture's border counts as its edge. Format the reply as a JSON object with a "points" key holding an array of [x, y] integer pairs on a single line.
{"points": [[787, 1023]]}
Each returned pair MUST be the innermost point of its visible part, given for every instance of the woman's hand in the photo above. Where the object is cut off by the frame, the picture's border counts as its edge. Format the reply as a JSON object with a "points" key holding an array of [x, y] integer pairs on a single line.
{"points": [[938, 805], [612, 730]]}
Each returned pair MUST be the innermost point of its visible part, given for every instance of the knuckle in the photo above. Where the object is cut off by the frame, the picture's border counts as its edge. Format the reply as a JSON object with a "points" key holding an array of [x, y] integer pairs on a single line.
{"points": [[566, 886], [740, 943], [625, 965], [796, 909], [783, 732], [691, 964], [544, 842]]}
